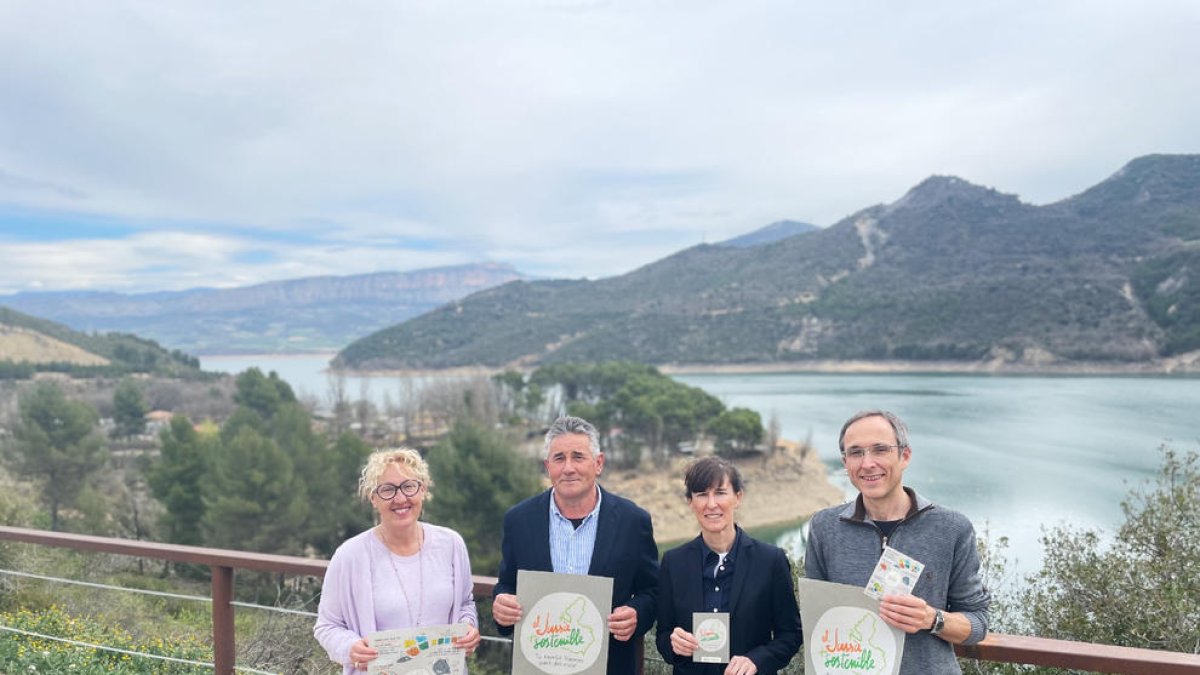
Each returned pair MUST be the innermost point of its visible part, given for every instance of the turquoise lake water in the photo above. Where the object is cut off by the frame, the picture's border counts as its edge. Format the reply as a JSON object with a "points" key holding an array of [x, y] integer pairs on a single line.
{"points": [[1014, 453]]}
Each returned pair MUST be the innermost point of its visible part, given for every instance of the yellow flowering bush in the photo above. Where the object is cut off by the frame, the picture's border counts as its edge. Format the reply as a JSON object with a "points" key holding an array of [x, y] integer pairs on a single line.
{"points": [[21, 653]]}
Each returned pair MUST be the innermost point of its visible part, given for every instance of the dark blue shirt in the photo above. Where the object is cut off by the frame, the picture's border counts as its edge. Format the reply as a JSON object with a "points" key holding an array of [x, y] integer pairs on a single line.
{"points": [[718, 575]]}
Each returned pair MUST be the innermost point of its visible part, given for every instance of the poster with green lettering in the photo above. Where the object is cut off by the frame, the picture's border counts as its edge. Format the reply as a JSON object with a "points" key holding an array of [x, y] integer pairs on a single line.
{"points": [[843, 632], [564, 624]]}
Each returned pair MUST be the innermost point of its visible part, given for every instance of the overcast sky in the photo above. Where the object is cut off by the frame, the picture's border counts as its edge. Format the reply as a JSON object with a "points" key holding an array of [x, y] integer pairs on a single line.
{"points": [[166, 145]]}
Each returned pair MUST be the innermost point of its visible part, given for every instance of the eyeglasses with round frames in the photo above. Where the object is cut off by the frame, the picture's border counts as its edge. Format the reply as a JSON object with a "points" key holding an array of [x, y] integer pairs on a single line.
{"points": [[877, 451], [408, 488]]}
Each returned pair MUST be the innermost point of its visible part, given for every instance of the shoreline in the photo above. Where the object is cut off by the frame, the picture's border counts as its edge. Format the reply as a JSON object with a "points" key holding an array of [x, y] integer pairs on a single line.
{"points": [[784, 488], [1185, 365]]}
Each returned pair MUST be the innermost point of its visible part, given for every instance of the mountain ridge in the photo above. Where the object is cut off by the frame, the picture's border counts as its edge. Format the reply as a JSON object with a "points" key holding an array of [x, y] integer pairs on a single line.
{"points": [[950, 271], [304, 314]]}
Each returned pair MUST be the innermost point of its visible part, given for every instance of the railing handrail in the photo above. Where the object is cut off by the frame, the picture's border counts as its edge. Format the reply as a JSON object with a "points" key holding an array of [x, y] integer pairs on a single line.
{"points": [[196, 555], [1090, 656], [996, 647]]}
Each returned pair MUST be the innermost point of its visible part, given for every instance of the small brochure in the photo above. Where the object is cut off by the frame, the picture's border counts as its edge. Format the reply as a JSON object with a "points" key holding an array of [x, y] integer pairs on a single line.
{"points": [[895, 574], [419, 651], [712, 630]]}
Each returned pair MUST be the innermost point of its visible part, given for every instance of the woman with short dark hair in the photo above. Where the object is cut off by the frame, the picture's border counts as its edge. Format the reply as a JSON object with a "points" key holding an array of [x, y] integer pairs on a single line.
{"points": [[726, 570]]}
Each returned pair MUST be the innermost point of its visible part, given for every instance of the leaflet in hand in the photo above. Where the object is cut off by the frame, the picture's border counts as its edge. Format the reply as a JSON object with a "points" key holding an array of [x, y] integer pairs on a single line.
{"points": [[712, 631], [429, 649], [895, 574]]}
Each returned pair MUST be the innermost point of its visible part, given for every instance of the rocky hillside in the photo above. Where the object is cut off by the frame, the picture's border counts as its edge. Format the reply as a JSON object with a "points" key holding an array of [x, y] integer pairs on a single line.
{"points": [[308, 314], [951, 272]]}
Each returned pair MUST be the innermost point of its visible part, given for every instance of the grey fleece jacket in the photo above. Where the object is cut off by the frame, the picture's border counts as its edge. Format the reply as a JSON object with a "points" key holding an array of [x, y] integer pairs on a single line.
{"points": [[844, 545]]}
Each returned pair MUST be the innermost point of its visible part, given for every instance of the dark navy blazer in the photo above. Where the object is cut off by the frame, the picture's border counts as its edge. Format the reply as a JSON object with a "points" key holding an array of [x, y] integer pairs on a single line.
{"points": [[625, 551], [764, 620]]}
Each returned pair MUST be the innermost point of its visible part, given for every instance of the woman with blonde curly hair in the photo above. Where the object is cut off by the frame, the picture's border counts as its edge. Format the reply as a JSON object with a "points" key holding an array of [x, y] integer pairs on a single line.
{"points": [[402, 573]]}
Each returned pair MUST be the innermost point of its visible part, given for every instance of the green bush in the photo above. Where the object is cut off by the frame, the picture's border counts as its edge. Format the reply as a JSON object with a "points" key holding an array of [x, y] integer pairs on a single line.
{"points": [[29, 654], [1140, 588]]}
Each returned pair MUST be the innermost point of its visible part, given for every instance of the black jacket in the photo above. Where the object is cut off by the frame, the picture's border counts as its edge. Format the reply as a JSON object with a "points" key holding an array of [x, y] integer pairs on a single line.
{"points": [[764, 620], [625, 551]]}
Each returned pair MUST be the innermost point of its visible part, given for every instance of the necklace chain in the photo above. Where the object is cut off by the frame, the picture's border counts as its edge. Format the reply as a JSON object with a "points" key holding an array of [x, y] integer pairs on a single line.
{"points": [[415, 616]]}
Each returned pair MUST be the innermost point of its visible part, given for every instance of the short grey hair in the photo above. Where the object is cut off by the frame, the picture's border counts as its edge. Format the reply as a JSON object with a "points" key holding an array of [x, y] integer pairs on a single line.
{"points": [[898, 426], [573, 425]]}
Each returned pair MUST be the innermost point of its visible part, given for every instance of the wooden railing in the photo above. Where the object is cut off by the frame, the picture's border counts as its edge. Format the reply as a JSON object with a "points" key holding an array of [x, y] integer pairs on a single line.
{"points": [[1036, 651], [998, 648]]}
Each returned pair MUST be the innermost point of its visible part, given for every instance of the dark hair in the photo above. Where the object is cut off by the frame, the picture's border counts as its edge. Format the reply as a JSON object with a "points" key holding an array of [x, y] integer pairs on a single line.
{"points": [[708, 472], [898, 427]]}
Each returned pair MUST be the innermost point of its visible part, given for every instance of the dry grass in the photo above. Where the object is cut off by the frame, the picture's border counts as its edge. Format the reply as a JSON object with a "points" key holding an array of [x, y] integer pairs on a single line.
{"points": [[20, 344]]}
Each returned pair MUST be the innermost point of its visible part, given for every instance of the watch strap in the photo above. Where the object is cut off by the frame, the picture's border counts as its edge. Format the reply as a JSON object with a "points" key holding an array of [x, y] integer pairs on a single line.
{"points": [[939, 622]]}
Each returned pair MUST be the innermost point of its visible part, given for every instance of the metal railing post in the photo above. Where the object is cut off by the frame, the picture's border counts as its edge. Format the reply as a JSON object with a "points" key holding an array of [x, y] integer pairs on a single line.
{"points": [[224, 657]]}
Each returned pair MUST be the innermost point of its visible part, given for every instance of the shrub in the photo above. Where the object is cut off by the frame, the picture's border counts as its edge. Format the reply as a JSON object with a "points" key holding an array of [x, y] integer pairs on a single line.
{"points": [[29, 654]]}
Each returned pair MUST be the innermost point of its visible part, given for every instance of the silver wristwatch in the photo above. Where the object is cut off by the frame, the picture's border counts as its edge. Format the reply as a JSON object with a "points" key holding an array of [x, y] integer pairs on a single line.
{"points": [[939, 622]]}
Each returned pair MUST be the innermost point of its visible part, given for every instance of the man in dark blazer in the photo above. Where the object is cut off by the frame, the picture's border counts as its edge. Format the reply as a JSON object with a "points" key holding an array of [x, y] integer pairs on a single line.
{"points": [[576, 527]]}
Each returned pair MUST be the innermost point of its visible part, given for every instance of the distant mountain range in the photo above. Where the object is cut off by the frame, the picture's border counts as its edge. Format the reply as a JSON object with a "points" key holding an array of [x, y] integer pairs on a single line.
{"points": [[308, 314], [774, 232], [950, 272]]}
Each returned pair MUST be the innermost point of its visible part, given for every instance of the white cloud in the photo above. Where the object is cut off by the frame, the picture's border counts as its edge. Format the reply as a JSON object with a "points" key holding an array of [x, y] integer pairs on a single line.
{"points": [[536, 132], [179, 260]]}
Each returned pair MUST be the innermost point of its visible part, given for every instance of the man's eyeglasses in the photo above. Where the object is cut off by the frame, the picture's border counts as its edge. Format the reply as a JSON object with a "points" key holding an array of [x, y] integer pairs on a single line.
{"points": [[877, 451], [408, 488]]}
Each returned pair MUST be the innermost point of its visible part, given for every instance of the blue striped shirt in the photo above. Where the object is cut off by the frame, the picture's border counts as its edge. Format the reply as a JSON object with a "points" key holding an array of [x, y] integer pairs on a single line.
{"points": [[571, 547]]}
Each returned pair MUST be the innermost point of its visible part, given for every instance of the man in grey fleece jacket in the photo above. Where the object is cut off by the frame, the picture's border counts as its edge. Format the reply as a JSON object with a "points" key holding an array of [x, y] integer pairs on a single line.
{"points": [[949, 604]]}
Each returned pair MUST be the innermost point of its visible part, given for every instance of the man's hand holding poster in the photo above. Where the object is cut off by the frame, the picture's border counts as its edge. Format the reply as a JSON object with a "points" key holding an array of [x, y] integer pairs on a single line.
{"points": [[564, 627]]}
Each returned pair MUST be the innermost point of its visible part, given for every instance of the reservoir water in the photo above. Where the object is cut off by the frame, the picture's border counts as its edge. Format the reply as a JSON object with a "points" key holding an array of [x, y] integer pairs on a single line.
{"points": [[1016, 454]]}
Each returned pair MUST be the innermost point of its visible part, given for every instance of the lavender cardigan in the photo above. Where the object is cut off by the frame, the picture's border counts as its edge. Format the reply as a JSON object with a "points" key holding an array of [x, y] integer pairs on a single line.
{"points": [[361, 572]]}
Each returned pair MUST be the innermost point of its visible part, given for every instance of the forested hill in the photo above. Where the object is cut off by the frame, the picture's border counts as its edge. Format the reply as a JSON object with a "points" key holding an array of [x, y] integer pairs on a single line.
{"points": [[951, 271], [306, 314], [29, 344]]}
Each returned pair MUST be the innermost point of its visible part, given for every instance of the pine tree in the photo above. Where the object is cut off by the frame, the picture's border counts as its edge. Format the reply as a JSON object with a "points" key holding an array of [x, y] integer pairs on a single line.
{"points": [[330, 476], [478, 476], [178, 476], [263, 394], [129, 410], [254, 501], [57, 443], [736, 430]]}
